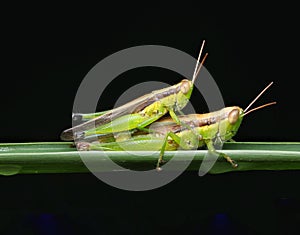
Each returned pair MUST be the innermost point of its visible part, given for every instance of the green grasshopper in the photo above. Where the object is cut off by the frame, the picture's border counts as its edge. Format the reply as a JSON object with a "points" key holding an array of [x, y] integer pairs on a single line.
{"points": [[198, 130], [138, 113]]}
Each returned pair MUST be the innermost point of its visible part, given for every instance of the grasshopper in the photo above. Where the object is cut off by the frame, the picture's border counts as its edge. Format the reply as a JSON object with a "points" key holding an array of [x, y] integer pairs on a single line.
{"points": [[198, 130], [138, 113]]}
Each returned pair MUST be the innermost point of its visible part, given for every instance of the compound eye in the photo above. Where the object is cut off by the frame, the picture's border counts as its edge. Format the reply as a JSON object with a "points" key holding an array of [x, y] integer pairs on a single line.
{"points": [[185, 86], [233, 116]]}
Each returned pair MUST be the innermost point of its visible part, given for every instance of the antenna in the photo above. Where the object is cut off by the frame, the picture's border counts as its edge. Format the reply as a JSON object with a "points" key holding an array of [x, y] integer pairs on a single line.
{"points": [[259, 107], [259, 95], [202, 62], [198, 60]]}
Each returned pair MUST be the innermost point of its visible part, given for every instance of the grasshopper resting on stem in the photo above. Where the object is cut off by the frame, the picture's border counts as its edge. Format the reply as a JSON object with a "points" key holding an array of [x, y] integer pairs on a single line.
{"points": [[185, 131], [138, 113], [198, 130]]}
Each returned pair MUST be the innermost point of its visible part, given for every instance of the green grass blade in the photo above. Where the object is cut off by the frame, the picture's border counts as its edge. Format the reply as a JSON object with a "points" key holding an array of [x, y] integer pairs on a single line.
{"points": [[62, 157]]}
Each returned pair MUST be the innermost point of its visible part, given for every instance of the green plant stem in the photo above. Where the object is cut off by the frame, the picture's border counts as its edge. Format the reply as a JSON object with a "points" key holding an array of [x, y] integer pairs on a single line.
{"points": [[62, 157]]}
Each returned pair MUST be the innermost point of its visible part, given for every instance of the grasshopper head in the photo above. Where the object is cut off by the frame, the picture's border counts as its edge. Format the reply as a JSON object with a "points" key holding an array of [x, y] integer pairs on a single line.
{"points": [[234, 115], [186, 88], [233, 120]]}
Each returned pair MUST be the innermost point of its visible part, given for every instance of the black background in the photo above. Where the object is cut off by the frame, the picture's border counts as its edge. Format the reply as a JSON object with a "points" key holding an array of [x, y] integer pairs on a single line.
{"points": [[46, 57]]}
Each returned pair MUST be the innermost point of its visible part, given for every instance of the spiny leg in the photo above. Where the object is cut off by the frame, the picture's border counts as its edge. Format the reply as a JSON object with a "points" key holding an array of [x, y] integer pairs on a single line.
{"points": [[212, 149], [228, 159], [163, 148]]}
